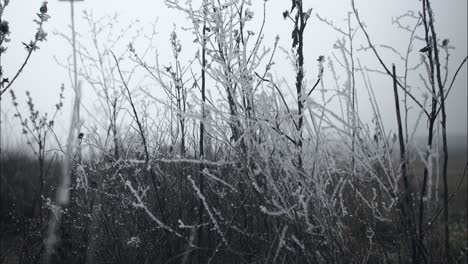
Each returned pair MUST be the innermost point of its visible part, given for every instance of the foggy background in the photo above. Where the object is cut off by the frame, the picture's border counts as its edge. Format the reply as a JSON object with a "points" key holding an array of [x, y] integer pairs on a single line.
{"points": [[43, 76], [135, 182]]}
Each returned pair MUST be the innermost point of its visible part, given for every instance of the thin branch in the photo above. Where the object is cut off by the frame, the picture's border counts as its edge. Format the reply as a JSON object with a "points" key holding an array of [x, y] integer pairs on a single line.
{"points": [[361, 25], [140, 126]]}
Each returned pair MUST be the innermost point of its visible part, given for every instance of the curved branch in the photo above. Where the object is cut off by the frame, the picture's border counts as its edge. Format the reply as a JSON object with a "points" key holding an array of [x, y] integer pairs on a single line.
{"points": [[361, 25]]}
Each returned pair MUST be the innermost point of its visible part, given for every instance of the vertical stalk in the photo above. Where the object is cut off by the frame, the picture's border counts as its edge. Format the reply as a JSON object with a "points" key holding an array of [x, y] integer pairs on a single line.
{"points": [[401, 137], [444, 178], [431, 119], [299, 34], [353, 100], [444, 130], [403, 163], [75, 73], [201, 144], [41, 179], [114, 129]]}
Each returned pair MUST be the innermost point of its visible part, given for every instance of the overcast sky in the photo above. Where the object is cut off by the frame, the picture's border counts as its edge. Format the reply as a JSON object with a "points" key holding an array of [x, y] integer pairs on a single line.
{"points": [[43, 76]]}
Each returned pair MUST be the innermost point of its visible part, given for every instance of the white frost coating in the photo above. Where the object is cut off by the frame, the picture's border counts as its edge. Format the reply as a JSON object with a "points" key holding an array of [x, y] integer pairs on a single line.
{"points": [[277, 213], [281, 242], [140, 204], [134, 242], [81, 177], [257, 188], [184, 226], [301, 245], [210, 214], [207, 173], [377, 214], [192, 161]]}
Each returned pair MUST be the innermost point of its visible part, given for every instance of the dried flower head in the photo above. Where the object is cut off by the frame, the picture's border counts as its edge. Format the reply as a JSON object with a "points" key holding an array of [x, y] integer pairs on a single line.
{"points": [[43, 8], [445, 43], [4, 27]]}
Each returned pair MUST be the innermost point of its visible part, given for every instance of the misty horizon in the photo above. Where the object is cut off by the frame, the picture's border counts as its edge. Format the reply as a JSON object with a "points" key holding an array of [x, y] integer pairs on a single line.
{"points": [[233, 131]]}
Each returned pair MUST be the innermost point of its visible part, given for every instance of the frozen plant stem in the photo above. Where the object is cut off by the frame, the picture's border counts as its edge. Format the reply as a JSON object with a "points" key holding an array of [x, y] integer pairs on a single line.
{"points": [[300, 22], [30, 48], [135, 113], [444, 129], [201, 143]]}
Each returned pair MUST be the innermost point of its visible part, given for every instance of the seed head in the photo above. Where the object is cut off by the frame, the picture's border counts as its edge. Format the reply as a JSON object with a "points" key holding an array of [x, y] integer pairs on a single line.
{"points": [[445, 43], [43, 8], [4, 27]]}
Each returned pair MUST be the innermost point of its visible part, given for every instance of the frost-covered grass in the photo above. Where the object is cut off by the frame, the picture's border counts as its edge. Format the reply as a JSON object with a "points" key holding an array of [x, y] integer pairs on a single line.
{"points": [[257, 226], [229, 163]]}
